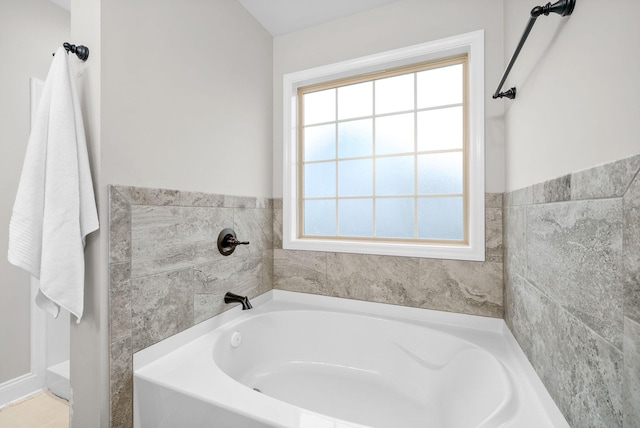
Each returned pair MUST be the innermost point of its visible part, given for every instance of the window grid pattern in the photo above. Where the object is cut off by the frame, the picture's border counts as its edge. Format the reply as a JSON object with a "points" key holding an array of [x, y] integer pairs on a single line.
{"points": [[337, 196]]}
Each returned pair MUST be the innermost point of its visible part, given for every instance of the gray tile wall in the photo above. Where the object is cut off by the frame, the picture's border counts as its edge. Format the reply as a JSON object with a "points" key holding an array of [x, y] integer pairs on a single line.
{"points": [[447, 285], [572, 289], [166, 274]]}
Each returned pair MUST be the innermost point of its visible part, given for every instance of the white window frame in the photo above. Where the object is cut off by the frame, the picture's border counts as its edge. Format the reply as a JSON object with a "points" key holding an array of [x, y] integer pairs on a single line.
{"points": [[469, 43]]}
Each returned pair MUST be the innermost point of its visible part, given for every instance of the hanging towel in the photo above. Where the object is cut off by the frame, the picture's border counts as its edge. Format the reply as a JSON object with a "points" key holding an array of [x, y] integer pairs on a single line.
{"points": [[55, 206]]}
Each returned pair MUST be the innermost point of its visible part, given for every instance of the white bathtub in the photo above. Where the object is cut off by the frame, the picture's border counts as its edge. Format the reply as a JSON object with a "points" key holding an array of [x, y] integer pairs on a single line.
{"points": [[298, 360]]}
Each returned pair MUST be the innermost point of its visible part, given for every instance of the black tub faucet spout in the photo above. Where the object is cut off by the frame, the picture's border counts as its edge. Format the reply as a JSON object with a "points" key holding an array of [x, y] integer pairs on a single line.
{"points": [[244, 300]]}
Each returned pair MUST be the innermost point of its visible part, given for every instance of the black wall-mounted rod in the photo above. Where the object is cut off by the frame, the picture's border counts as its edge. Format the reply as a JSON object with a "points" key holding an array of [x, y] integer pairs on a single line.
{"points": [[563, 8], [81, 52]]}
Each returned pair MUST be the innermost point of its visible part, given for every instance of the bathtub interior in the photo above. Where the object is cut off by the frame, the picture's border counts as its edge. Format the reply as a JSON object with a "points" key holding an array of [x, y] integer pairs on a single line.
{"points": [[367, 370], [347, 378]]}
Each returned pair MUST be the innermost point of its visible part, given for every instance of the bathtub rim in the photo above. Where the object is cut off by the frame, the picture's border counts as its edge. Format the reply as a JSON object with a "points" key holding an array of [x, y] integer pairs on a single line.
{"points": [[336, 304], [280, 299]]}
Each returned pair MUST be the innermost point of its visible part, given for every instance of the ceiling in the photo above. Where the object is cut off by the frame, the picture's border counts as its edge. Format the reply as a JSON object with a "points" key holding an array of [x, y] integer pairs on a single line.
{"points": [[65, 4], [279, 17]]}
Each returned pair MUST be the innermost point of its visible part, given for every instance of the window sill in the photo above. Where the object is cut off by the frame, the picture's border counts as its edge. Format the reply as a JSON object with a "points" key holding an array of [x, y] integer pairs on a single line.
{"points": [[402, 249]]}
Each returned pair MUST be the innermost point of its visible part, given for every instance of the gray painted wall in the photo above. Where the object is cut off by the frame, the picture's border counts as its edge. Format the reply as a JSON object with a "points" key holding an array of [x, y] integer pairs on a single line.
{"points": [[189, 112], [570, 230], [29, 33], [386, 28], [577, 82], [397, 25]]}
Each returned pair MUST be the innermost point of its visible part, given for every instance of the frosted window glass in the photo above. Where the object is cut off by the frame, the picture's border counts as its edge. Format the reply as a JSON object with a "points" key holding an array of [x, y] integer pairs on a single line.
{"points": [[320, 180], [355, 217], [394, 218], [320, 217], [440, 218], [394, 134], [440, 173], [320, 142], [319, 106], [394, 94], [355, 138], [440, 129], [440, 86], [394, 176], [355, 177], [355, 100]]}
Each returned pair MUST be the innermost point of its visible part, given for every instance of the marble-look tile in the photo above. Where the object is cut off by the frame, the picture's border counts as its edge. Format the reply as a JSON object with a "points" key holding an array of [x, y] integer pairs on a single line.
{"points": [[556, 190], [121, 384], [384, 279], [493, 235], [459, 286], [200, 228], [148, 196], [517, 197], [631, 250], [631, 374], [240, 273], [210, 302], [267, 271], [574, 256], [119, 301], [231, 201], [162, 305], [604, 181], [508, 290], [206, 306], [302, 271], [581, 371], [171, 238], [119, 227], [515, 243], [493, 200], [253, 225], [264, 203], [277, 229], [277, 203], [156, 237], [199, 199], [156, 242]]}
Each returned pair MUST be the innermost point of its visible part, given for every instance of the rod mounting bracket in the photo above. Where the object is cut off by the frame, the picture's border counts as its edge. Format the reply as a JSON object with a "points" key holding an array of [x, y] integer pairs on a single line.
{"points": [[511, 94]]}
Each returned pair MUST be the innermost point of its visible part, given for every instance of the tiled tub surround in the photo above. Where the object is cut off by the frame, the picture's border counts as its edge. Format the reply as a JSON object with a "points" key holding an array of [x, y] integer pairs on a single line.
{"points": [[467, 287], [166, 273], [572, 289]]}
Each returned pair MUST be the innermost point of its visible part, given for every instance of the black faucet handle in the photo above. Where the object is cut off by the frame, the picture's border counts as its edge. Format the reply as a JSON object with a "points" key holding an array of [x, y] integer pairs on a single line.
{"points": [[227, 242], [234, 242]]}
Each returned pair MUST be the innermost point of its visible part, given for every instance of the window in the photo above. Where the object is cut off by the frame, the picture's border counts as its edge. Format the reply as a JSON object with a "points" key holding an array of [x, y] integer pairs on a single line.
{"points": [[383, 156], [386, 153]]}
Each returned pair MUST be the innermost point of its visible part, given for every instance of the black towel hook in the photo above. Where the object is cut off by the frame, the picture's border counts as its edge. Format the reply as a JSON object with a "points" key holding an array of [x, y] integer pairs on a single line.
{"points": [[81, 51]]}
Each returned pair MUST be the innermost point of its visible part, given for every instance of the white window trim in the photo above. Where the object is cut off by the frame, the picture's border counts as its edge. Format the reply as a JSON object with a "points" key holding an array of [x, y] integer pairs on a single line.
{"points": [[470, 43]]}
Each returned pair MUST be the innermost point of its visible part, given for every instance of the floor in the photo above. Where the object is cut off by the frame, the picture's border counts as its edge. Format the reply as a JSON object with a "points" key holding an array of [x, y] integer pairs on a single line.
{"points": [[43, 410]]}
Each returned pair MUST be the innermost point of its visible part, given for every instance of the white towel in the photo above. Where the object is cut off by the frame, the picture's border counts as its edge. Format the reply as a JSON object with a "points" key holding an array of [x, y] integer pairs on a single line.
{"points": [[55, 206]]}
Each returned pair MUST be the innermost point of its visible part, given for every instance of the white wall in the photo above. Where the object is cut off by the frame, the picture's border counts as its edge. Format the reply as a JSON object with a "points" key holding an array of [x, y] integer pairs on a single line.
{"points": [[397, 25], [89, 350], [187, 96], [29, 33], [578, 90]]}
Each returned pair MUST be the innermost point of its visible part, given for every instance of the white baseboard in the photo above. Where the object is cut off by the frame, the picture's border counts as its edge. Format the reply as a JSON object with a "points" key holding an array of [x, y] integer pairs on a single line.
{"points": [[20, 388]]}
